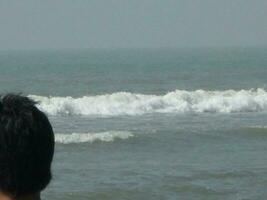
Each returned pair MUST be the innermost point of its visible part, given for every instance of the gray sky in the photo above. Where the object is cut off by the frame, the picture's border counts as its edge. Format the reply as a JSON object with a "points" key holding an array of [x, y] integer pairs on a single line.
{"points": [[42, 24]]}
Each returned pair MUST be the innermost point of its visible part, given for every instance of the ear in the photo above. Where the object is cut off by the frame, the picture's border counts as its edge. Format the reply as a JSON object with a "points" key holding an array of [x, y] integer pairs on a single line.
{"points": [[3, 196]]}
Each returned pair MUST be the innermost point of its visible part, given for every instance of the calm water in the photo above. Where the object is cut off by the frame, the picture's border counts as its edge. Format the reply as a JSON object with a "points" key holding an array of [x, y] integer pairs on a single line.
{"points": [[150, 124]]}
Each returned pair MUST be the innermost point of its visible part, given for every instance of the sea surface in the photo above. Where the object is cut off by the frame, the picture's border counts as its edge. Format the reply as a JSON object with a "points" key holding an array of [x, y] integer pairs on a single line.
{"points": [[149, 124]]}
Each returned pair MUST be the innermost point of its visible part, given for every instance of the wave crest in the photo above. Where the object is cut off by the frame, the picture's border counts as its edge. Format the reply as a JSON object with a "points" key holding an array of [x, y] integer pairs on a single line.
{"points": [[179, 101], [108, 136]]}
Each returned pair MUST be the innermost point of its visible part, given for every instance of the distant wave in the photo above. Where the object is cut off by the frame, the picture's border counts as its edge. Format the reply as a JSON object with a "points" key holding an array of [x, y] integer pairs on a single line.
{"points": [[108, 136], [179, 101], [258, 127]]}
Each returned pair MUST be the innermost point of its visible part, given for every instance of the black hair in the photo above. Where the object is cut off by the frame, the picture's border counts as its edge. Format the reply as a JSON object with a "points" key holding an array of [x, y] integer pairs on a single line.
{"points": [[26, 146]]}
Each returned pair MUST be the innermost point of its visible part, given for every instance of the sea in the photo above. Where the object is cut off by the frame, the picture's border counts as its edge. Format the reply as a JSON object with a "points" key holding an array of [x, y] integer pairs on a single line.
{"points": [[150, 124]]}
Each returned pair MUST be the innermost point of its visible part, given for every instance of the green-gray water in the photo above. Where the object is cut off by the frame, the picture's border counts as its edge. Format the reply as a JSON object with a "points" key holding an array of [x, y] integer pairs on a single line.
{"points": [[150, 124]]}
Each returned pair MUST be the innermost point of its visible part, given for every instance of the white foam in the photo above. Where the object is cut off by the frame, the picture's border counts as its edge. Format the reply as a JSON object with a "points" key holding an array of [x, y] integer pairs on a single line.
{"points": [[108, 136], [179, 101]]}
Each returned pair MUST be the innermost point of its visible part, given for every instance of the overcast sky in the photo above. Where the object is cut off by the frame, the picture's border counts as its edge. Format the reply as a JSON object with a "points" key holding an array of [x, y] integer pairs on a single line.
{"points": [[43, 24]]}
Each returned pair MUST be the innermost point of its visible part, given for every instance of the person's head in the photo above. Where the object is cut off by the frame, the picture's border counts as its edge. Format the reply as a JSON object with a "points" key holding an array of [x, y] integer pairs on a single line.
{"points": [[26, 147]]}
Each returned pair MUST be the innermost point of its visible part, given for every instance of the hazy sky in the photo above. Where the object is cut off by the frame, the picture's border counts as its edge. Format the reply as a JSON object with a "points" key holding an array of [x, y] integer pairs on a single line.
{"points": [[41, 24]]}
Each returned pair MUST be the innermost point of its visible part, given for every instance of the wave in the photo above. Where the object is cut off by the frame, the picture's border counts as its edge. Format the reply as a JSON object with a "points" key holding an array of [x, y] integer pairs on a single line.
{"points": [[108, 136], [258, 127], [179, 101]]}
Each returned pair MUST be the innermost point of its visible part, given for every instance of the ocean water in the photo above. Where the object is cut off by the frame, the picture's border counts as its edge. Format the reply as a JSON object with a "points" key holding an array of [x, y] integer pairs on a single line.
{"points": [[150, 123]]}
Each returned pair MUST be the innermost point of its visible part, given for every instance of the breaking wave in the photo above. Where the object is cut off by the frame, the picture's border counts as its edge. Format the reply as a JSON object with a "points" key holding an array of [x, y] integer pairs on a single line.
{"points": [[108, 136], [179, 101]]}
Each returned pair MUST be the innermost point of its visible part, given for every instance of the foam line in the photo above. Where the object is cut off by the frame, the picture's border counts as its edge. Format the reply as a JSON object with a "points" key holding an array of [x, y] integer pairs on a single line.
{"points": [[108, 136], [179, 101]]}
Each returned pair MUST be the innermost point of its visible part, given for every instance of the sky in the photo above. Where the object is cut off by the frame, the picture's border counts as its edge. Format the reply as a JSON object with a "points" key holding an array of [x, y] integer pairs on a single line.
{"points": [[59, 24]]}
